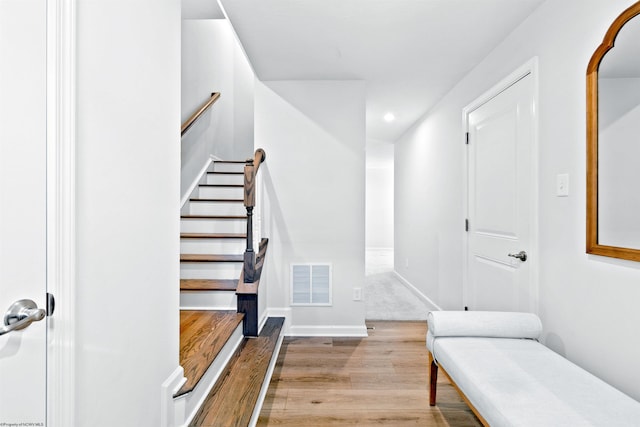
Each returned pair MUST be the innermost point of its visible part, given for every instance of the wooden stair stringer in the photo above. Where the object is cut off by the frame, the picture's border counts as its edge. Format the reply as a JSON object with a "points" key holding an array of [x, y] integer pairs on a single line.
{"points": [[237, 397]]}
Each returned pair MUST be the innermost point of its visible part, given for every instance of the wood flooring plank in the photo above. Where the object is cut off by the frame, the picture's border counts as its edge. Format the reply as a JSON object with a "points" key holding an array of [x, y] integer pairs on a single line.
{"points": [[308, 380], [379, 380], [232, 399], [395, 418], [390, 381], [202, 336], [314, 400]]}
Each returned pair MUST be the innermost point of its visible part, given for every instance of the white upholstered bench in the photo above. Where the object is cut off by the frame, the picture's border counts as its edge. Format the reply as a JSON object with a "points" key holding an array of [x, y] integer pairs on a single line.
{"points": [[509, 379]]}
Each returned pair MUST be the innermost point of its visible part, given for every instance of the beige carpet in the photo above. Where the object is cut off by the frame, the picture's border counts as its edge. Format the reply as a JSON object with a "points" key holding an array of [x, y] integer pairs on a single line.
{"points": [[385, 296]]}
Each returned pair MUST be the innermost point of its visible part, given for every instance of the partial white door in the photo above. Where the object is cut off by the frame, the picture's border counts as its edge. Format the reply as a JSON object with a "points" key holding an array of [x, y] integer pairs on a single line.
{"points": [[500, 192], [22, 210]]}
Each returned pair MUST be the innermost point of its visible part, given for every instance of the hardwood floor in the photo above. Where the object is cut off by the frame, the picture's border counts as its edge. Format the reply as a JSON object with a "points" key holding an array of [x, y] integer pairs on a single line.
{"points": [[379, 380]]}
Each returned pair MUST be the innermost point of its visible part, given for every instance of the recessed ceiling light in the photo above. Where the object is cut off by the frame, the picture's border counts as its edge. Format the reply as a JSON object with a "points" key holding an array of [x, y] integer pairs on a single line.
{"points": [[389, 117]]}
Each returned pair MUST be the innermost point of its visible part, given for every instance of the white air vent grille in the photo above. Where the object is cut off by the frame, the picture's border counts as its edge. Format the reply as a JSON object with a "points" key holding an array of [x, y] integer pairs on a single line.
{"points": [[311, 284]]}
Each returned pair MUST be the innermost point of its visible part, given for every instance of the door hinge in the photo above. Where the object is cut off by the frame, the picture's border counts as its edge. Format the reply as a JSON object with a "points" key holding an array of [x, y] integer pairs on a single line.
{"points": [[467, 139], [466, 224]]}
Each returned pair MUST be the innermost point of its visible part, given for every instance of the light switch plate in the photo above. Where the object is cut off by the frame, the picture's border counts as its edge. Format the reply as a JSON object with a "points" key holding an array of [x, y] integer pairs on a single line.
{"points": [[562, 185]]}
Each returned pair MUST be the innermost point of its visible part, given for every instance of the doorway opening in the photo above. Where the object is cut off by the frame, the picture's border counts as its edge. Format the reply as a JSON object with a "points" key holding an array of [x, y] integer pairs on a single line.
{"points": [[386, 296]]}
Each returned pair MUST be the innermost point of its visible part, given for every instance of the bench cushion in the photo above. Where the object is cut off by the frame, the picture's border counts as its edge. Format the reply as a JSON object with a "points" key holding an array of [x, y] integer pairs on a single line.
{"points": [[484, 324]]}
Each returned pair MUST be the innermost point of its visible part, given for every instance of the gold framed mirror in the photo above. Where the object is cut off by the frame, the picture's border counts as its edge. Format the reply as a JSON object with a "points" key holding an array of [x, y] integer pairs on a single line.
{"points": [[613, 141]]}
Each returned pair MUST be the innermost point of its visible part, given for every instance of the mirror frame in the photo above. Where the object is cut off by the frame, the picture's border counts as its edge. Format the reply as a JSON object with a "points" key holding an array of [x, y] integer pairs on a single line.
{"points": [[593, 247]]}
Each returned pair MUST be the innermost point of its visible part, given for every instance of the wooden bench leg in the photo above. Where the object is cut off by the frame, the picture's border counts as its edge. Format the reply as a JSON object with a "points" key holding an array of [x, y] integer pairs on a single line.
{"points": [[433, 380]]}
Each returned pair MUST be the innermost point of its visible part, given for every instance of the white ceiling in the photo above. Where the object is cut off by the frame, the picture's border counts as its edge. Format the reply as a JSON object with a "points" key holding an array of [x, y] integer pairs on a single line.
{"points": [[409, 52], [201, 9]]}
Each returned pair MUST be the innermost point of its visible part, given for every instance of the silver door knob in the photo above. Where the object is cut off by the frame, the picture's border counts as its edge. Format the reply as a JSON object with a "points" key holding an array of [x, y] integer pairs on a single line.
{"points": [[20, 315], [522, 256]]}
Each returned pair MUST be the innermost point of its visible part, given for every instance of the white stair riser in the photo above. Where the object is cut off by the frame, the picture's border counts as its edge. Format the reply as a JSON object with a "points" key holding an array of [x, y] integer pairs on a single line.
{"points": [[214, 178], [203, 300], [213, 246], [228, 167], [220, 192], [213, 226], [210, 270], [217, 208]]}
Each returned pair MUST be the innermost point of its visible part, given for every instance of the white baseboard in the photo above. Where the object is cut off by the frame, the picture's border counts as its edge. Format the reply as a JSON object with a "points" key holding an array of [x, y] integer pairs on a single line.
{"points": [[289, 330], [432, 305], [171, 415]]}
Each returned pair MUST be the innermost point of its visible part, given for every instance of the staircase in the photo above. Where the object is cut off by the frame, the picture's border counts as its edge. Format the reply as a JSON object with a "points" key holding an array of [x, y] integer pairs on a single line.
{"points": [[213, 239], [226, 372]]}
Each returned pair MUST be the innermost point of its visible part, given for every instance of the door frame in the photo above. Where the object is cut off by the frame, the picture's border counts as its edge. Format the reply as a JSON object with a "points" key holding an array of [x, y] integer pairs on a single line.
{"points": [[529, 68], [60, 205]]}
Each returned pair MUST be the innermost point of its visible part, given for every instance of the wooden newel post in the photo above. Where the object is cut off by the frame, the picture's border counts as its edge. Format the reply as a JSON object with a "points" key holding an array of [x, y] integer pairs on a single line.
{"points": [[249, 202]]}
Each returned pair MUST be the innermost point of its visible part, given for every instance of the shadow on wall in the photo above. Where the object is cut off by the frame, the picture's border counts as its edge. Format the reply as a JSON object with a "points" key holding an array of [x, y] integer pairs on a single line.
{"points": [[555, 343], [332, 125], [195, 149], [276, 224]]}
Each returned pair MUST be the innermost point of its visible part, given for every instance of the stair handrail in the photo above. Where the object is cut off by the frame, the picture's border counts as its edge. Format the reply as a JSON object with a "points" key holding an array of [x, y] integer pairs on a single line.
{"points": [[195, 116], [250, 171]]}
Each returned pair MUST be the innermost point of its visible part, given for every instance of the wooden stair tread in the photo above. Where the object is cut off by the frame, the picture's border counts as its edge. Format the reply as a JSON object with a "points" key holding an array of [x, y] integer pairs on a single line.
{"points": [[226, 173], [213, 216], [213, 236], [208, 284], [236, 393], [202, 336], [211, 258], [218, 200]]}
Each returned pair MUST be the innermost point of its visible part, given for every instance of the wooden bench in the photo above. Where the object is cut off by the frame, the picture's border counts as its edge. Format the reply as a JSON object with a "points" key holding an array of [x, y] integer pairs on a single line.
{"points": [[509, 379]]}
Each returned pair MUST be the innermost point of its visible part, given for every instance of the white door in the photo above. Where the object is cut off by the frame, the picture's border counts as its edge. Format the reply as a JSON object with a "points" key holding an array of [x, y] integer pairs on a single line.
{"points": [[23, 209], [500, 201]]}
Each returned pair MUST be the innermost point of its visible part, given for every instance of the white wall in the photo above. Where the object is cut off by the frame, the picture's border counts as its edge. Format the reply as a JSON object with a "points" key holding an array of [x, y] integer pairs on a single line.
{"points": [[379, 195], [213, 61], [314, 192], [587, 303], [128, 172]]}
